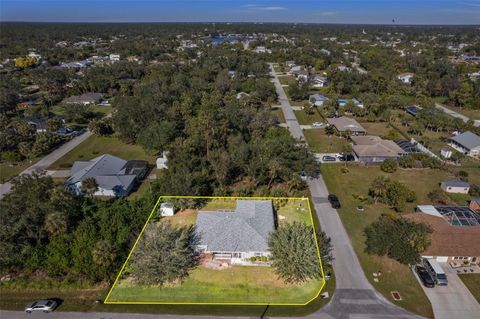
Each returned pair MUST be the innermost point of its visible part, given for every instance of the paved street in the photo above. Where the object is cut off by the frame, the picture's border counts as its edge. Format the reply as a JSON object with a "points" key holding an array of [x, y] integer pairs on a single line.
{"points": [[48, 160], [454, 300], [457, 115]]}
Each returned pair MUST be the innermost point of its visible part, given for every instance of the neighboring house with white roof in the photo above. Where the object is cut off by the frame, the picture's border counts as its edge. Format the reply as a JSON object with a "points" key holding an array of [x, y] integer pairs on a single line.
{"points": [[114, 57], [167, 210], [236, 235], [406, 77], [467, 143], [114, 176], [319, 81], [456, 187]]}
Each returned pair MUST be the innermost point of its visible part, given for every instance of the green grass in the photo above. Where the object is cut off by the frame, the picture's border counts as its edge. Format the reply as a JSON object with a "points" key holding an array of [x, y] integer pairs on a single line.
{"points": [[279, 114], [320, 142], [286, 79], [395, 276], [295, 210], [8, 172], [308, 119], [243, 284], [472, 281], [97, 145], [376, 128]]}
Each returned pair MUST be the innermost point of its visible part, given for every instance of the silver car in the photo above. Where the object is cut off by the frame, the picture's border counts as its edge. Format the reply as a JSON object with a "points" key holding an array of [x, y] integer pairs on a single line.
{"points": [[41, 305]]}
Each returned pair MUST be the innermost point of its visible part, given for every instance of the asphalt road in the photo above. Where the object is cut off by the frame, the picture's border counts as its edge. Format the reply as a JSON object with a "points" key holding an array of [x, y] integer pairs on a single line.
{"points": [[457, 115], [453, 300], [48, 160]]}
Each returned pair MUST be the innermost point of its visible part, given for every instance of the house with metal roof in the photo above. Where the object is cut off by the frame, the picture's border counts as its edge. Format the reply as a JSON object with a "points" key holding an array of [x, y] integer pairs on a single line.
{"points": [[114, 176], [467, 143], [236, 235]]}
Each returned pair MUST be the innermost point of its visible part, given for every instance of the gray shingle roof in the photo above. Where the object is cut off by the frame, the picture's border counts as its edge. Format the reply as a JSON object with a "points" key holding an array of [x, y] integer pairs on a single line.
{"points": [[245, 229], [109, 172], [468, 140], [89, 97]]}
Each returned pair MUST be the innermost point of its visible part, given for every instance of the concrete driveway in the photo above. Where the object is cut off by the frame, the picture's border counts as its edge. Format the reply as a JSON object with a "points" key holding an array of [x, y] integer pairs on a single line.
{"points": [[452, 301]]}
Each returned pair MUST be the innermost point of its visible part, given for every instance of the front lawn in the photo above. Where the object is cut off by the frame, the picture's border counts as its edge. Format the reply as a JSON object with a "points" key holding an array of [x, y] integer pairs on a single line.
{"points": [[98, 145], [308, 119], [395, 276], [7, 171], [319, 142], [286, 79], [472, 281], [279, 114], [241, 284]]}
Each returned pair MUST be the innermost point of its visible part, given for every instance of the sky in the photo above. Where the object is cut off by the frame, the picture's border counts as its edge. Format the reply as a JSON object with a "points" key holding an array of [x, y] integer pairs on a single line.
{"points": [[310, 11]]}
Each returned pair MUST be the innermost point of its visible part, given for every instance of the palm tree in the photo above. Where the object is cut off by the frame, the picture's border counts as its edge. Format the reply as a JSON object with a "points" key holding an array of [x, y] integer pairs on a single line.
{"points": [[89, 186], [379, 187], [56, 223]]}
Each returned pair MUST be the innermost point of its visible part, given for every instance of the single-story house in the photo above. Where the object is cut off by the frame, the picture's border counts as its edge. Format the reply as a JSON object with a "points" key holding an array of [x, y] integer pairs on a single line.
{"points": [[467, 143], [475, 204], [85, 99], [236, 235], [302, 75], [406, 77], [319, 81], [114, 176], [114, 57], [371, 149], [39, 123], [456, 187], [344, 124], [317, 99], [343, 68], [449, 243]]}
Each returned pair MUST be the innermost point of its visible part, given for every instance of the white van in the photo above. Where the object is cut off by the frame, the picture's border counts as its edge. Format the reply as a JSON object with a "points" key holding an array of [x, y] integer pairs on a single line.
{"points": [[434, 269]]}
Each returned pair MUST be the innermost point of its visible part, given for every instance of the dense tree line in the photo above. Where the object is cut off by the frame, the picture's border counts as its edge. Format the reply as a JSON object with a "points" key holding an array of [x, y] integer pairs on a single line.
{"points": [[47, 230]]}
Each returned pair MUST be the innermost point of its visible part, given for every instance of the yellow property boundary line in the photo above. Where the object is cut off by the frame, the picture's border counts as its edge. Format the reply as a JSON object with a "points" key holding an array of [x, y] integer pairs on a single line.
{"points": [[215, 303]]}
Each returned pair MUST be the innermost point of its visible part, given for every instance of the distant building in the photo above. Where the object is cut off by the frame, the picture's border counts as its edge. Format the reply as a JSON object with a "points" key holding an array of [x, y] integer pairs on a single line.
{"points": [[114, 176], [406, 77], [241, 95], [317, 99], [114, 57], [456, 187], [344, 124], [319, 81], [357, 103], [467, 143], [413, 109], [85, 99]]}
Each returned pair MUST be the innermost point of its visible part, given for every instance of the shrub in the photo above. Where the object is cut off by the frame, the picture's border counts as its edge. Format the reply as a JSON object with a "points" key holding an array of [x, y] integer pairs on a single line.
{"points": [[389, 166]]}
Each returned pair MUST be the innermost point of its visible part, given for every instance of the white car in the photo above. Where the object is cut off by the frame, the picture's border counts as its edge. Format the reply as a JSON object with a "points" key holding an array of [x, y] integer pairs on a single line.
{"points": [[317, 124], [41, 305]]}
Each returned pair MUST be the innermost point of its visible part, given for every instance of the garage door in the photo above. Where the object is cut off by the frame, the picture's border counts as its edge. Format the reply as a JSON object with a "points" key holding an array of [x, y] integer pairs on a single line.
{"points": [[442, 259]]}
